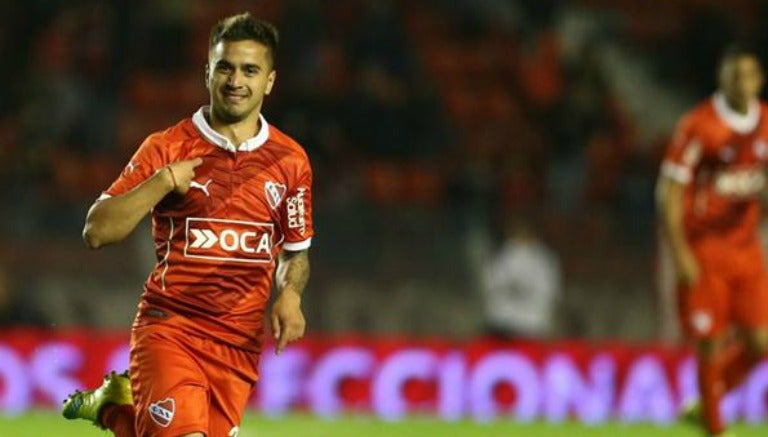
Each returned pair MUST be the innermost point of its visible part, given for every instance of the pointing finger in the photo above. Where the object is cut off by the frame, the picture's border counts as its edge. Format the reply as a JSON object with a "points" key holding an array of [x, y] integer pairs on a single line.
{"points": [[283, 341], [275, 327]]}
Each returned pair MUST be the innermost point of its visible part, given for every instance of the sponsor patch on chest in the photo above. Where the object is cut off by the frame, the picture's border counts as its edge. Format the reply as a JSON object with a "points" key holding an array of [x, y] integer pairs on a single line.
{"points": [[740, 183], [274, 193], [228, 240]]}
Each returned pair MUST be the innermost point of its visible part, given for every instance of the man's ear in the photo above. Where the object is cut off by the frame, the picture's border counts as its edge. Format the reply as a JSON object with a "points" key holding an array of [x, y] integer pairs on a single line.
{"points": [[270, 81], [207, 72]]}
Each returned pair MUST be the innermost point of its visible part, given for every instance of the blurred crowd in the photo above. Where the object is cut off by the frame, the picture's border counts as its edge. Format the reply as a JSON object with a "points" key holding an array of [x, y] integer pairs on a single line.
{"points": [[431, 125]]}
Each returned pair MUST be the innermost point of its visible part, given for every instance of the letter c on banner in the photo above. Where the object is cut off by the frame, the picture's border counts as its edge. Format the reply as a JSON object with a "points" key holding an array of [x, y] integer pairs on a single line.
{"points": [[330, 370], [387, 392]]}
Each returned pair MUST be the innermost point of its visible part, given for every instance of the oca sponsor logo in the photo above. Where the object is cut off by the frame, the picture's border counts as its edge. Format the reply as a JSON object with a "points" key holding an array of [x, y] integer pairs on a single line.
{"points": [[741, 183], [228, 240]]}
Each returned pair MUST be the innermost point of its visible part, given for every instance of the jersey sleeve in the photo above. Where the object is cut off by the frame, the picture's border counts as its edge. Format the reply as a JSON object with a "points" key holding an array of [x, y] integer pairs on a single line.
{"points": [[684, 153], [297, 211], [147, 160]]}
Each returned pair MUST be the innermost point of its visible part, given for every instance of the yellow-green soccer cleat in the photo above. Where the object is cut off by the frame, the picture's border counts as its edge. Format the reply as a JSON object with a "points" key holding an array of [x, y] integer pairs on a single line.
{"points": [[691, 413], [87, 405]]}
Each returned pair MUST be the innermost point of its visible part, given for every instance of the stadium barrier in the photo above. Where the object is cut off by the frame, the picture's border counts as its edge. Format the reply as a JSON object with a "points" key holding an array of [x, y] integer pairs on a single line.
{"points": [[483, 380]]}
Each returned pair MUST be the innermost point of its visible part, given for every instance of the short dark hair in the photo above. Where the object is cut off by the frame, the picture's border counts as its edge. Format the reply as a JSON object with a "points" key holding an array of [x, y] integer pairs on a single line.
{"points": [[243, 27], [735, 51]]}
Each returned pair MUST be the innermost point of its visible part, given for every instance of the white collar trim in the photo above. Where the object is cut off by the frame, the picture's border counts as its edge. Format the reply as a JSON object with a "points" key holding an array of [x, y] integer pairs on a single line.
{"points": [[220, 140], [741, 123]]}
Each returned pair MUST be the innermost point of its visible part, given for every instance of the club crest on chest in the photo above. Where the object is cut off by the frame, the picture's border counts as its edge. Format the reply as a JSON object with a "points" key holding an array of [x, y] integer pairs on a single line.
{"points": [[275, 193]]}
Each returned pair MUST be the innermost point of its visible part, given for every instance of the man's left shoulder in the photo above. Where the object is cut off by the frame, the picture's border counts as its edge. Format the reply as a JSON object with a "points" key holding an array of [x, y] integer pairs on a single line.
{"points": [[284, 141]]}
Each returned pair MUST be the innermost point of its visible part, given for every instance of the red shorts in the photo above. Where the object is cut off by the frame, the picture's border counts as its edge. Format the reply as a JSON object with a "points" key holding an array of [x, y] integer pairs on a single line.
{"points": [[732, 291], [183, 384]]}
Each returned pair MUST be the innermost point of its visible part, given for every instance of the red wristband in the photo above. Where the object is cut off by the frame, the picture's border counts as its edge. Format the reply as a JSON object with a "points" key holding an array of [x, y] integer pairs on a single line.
{"points": [[173, 177]]}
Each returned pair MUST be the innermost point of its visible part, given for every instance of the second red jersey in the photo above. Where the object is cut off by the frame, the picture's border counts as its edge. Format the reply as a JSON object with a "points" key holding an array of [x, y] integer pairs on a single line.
{"points": [[217, 245], [721, 157]]}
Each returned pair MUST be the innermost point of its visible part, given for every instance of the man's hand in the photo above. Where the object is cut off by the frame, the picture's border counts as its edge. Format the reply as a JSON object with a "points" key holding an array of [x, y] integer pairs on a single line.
{"points": [[181, 173], [288, 322], [687, 268]]}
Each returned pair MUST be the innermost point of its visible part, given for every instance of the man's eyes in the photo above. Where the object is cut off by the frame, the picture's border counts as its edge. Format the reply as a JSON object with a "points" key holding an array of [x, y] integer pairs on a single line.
{"points": [[249, 71]]}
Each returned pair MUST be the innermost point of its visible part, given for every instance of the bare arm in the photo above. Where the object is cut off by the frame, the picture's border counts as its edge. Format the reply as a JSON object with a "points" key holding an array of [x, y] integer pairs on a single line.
{"points": [[288, 323], [293, 271], [669, 197], [111, 220]]}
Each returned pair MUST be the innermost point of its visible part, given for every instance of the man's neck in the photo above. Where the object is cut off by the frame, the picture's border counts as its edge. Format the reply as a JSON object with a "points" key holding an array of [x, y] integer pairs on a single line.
{"points": [[237, 132], [741, 107]]}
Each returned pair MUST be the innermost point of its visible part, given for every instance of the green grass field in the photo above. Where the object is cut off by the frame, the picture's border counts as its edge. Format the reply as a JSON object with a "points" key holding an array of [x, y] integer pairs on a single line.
{"points": [[46, 423]]}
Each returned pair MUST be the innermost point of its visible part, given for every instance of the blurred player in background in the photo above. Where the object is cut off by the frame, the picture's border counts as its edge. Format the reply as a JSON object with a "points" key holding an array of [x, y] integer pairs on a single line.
{"points": [[230, 198], [709, 191]]}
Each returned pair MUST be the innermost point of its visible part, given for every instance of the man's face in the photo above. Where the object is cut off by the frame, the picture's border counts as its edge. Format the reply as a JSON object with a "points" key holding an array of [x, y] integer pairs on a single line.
{"points": [[741, 78], [238, 76]]}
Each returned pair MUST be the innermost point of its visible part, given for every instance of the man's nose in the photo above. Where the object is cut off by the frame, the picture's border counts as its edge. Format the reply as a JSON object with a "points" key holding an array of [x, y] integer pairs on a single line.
{"points": [[235, 79]]}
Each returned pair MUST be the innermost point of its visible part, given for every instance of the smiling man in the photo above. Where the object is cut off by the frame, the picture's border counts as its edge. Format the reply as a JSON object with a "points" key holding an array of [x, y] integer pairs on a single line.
{"points": [[230, 198]]}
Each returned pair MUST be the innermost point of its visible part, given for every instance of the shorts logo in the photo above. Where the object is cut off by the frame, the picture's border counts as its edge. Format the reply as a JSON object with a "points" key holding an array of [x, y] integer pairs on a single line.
{"points": [[701, 322], [228, 240], [234, 432], [274, 193], [162, 412], [296, 211]]}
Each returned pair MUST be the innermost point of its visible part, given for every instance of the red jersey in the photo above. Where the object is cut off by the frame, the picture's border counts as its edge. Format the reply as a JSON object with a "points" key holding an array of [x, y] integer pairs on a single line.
{"points": [[217, 245], [720, 155]]}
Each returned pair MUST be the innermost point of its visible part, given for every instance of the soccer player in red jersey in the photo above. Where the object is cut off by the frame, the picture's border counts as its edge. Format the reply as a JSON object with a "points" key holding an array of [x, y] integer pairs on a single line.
{"points": [[709, 193], [230, 199]]}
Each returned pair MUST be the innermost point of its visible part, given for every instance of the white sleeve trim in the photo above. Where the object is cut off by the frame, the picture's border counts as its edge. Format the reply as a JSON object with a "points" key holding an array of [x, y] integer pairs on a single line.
{"points": [[103, 196], [298, 246], [676, 172]]}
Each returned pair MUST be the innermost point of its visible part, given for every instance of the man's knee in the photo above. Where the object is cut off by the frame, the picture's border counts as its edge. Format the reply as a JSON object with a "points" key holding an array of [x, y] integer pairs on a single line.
{"points": [[707, 349], [757, 341]]}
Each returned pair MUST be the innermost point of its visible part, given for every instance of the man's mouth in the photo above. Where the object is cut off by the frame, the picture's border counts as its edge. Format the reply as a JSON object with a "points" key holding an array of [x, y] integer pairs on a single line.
{"points": [[234, 97]]}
